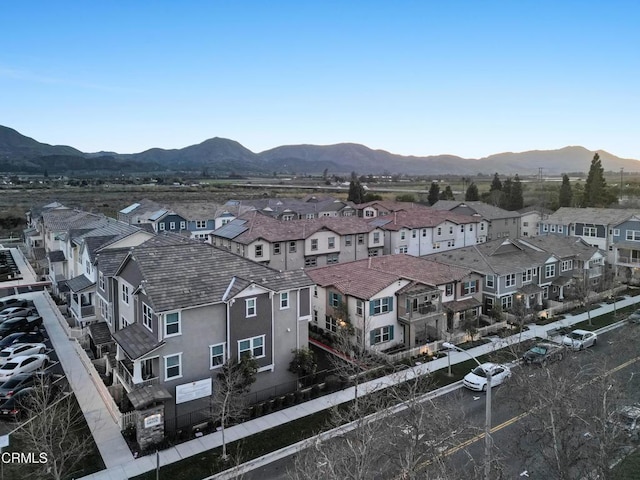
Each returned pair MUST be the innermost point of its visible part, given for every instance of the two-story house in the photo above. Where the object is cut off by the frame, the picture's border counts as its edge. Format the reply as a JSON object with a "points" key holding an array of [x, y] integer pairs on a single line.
{"points": [[626, 249], [394, 300], [421, 231], [381, 208], [530, 218], [500, 223], [294, 244], [179, 309], [307, 208]]}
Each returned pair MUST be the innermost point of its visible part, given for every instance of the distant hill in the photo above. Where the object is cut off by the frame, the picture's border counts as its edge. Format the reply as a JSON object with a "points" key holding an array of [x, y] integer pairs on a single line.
{"points": [[19, 153]]}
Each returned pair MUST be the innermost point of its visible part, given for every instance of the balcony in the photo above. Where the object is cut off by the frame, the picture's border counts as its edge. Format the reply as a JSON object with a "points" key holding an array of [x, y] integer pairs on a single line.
{"points": [[631, 261], [420, 313], [124, 369], [82, 312]]}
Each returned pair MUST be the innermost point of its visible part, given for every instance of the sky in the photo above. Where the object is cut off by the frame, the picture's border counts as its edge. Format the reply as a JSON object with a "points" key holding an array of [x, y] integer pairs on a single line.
{"points": [[425, 77]]}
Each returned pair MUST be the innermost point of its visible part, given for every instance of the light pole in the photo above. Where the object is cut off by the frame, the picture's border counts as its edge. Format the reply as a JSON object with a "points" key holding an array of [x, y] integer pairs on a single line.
{"points": [[487, 414]]}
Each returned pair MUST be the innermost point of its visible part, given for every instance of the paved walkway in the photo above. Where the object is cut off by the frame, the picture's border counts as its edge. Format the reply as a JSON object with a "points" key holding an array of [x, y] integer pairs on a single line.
{"points": [[121, 466]]}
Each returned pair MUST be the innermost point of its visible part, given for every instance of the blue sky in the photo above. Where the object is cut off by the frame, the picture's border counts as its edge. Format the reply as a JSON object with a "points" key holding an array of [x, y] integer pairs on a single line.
{"points": [[468, 78]]}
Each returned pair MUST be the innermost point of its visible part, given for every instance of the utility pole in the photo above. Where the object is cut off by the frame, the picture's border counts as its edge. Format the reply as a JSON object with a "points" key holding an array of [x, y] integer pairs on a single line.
{"points": [[621, 180], [540, 187]]}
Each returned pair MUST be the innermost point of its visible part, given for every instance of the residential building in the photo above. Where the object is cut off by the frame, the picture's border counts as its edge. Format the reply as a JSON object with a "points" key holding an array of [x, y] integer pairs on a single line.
{"points": [[295, 244], [500, 223], [625, 241], [530, 218], [536, 269], [380, 208], [394, 301], [175, 326], [307, 208]]}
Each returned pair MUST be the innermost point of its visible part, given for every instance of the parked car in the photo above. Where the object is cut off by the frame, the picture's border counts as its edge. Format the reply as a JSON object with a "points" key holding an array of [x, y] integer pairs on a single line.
{"points": [[17, 406], [634, 317], [24, 364], [15, 302], [476, 379], [22, 337], [18, 349], [580, 339], [543, 353], [23, 380], [627, 418], [18, 324], [11, 312]]}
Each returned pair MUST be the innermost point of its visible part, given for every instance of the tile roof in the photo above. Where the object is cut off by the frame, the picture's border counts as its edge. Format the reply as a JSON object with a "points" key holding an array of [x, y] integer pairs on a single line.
{"points": [[420, 218], [148, 395], [136, 340], [365, 278], [483, 209], [604, 216], [462, 305], [191, 273]]}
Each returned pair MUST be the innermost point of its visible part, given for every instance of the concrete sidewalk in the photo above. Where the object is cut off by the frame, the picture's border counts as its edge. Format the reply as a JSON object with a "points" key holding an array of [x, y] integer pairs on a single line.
{"points": [[132, 467]]}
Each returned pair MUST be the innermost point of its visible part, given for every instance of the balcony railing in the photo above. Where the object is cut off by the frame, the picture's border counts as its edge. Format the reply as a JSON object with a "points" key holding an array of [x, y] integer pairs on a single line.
{"points": [[421, 312], [628, 260], [126, 376], [82, 311]]}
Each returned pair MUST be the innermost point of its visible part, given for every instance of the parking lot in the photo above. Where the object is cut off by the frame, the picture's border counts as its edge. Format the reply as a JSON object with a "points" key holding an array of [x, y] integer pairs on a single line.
{"points": [[54, 368]]}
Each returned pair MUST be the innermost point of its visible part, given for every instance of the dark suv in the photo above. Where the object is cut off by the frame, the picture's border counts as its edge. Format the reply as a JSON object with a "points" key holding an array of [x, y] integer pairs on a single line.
{"points": [[543, 353]]}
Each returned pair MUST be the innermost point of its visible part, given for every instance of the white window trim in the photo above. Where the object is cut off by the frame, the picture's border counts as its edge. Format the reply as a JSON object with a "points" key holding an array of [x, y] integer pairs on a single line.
{"points": [[224, 357], [284, 295], [252, 347], [146, 317], [166, 377], [124, 291], [164, 330], [246, 307]]}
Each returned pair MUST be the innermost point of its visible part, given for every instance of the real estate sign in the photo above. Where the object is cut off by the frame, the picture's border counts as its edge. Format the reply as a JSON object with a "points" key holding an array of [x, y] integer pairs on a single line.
{"points": [[194, 390]]}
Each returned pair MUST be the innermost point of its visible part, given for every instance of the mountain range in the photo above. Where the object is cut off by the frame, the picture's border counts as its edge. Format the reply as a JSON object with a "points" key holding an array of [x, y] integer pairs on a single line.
{"points": [[220, 156]]}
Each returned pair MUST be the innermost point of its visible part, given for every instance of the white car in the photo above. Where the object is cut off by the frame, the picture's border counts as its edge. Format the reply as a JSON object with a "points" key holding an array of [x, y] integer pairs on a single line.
{"points": [[20, 349], [23, 364], [476, 379], [12, 312], [580, 339]]}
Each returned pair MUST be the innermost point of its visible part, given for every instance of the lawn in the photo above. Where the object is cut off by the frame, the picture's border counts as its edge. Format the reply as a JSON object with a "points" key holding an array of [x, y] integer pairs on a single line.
{"points": [[629, 468]]}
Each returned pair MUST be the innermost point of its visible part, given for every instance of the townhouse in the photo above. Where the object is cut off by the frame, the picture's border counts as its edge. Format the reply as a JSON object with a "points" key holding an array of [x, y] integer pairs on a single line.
{"points": [[178, 309], [307, 208], [626, 249], [536, 269], [394, 301], [422, 230], [500, 223], [380, 208], [530, 218], [295, 244]]}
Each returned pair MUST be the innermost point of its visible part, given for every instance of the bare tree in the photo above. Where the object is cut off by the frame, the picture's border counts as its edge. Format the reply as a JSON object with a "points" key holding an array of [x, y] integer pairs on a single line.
{"points": [[230, 385], [581, 290], [56, 428]]}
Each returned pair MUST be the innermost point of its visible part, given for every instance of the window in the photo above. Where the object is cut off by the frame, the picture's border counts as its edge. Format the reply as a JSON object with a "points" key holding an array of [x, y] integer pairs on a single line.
{"points": [[381, 305], [173, 366], [258, 250], [482, 226], [382, 334], [439, 231], [172, 225], [403, 249], [315, 291], [451, 243], [225, 221], [550, 270], [591, 232], [359, 307], [616, 232], [559, 228], [369, 213], [545, 228], [469, 288], [315, 316], [331, 242], [276, 248], [252, 347], [310, 261], [162, 226], [183, 225], [376, 237], [507, 302], [292, 247], [335, 299], [284, 300], [633, 235], [348, 240], [424, 232], [250, 307], [489, 281], [461, 228], [216, 353], [360, 238], [125, 294], [510, 280], [314, 244], [450, 230], [101, 280], [287, 217], [201, 224], [567, 265], [527, 275], [147, 316], [448, 289], [373, 252], [331, 324], [545, 291], [525, 224], [87, 266], [436, 246], [553, 228], [172, 324], [471, 228], [332, 258], [414, 233]]}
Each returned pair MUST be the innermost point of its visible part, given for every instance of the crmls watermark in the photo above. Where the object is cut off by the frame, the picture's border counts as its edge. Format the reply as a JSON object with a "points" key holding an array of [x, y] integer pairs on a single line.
{"points": [[22, 457]]}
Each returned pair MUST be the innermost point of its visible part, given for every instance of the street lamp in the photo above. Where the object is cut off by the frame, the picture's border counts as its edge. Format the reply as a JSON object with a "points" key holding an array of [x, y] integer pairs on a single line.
{"points": [[487, 416]]}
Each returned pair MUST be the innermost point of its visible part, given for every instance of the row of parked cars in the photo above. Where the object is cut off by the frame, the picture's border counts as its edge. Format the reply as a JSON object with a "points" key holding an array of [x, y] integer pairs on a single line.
{"points": [[23, 357]]}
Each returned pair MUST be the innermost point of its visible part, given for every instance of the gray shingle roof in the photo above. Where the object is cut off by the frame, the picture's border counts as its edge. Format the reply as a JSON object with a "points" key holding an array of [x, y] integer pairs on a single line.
{"points": [[483, 209], [136, 340], [100, 333], [601, 216], [56, 256], [191, 273], [79, 283]]}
